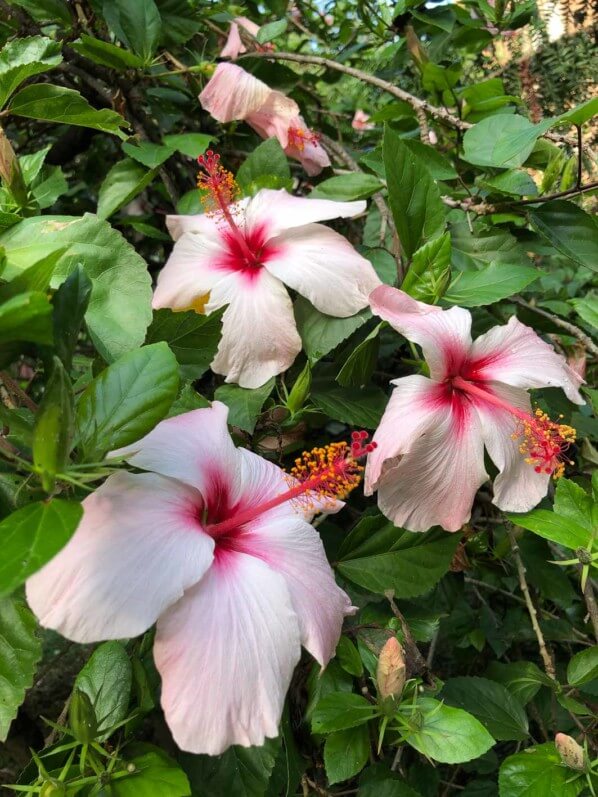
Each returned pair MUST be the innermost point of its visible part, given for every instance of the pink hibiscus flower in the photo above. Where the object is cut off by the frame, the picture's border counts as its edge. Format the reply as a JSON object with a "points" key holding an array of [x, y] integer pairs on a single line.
{"points": [[213, 543], [429, 461], [232, 93], [242, 254], [361, 121]]}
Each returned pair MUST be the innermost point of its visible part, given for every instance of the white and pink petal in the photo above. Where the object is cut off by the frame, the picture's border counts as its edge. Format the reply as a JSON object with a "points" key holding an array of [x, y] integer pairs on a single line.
{"points": [[322, 265], [444, 335], [137, 549], [226, 653], [232, 93]]}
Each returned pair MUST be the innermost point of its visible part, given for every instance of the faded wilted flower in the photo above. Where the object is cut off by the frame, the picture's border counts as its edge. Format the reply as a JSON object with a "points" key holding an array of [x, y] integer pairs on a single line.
{"points": [[571, 753], [391, 673]]}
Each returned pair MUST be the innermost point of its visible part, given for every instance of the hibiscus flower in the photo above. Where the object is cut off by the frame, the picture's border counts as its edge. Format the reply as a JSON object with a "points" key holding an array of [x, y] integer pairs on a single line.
{"points": [[213, 543], [242, 254], [232, 93], [429, 461], [361, 121]]}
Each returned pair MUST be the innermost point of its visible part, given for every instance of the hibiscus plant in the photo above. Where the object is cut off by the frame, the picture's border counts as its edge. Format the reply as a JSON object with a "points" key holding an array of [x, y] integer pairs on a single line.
{"points": [[298, 339]]}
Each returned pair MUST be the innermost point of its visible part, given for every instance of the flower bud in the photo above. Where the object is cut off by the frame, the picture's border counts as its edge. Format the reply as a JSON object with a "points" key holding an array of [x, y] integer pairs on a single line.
{"points": [[82, 717], [53, 788], [10, 171], [300, 390], [571, 753], [391, 673]]}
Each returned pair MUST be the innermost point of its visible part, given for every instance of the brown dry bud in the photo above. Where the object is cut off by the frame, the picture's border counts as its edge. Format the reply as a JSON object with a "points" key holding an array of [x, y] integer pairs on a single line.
{"points": [[391, 673], [571, 753]]}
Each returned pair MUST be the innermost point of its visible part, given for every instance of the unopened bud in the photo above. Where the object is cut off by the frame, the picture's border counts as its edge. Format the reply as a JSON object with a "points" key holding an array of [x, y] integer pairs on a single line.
{"points": [[300, 390], [82, 717], [53, 788], [391, 673], [571, 753], [10, 171]]}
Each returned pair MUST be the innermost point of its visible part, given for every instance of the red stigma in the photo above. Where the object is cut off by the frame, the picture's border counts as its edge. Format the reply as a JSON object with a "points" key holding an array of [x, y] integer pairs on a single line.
{"points": [[218, 184], [299, 137]]}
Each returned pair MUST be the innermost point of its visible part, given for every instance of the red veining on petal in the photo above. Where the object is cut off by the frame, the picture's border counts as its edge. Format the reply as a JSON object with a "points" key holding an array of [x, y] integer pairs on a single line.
{"points": [[543, 442], [323, 474]]}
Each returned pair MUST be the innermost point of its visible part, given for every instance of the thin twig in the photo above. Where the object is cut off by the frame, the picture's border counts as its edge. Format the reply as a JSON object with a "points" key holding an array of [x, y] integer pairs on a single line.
{"points": [[13, 388], [533, 614], [438, 113], [576, 332]]}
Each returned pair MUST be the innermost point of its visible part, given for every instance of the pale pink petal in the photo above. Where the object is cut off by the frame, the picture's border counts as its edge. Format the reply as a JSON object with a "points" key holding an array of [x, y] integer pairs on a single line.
{"points": [[259, 334], [312, 156], [234, 46], [190, 272], [232, 93], [516, 355], [434, 484], [251, 27], [291, 547], [517, 488], [195, 448], [361, 121], [444, 335], [274, 117], [281, 211], [226, 653], [411, 408], [137, 549], [323, 266]]}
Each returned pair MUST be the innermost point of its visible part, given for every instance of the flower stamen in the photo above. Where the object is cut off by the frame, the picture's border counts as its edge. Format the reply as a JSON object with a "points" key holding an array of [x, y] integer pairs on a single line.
{"points": [[544, 442], [220, 192], [298, 138], [325, 474]]}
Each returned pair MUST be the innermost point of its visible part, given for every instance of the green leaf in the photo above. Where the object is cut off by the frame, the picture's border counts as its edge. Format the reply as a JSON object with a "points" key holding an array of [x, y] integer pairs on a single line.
{"points": [[190, 144], [106, 679], [439, 166], [53, 431], [46, 10], [537, 772], [581, 113], [348, 657], [244, 404], [20, 650], [192, 337], [123, 182], [502, 141], [414, 197], [362, 407], [266, 167], [416, 563], [136, 23], [360, 364], [391, 785], [523, 679], [70, 304], [155, 773], [127, 399], [448, 735], [119, 310], [491, 703], [383, 262], [31, 536], [347, 187], [484, 246], [107, 54], [493, 283], [36, 278], [338, 711], [321, 333], [553, 527], [271, 31], [147, 153], [51, 185], [570, 230], [587, 309], [572, 501], [27, 316], [513, 182], [346, 753], [583, 667], [66, 106], [239, 771], [187, 400], [22, 58], [429, 271]]}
